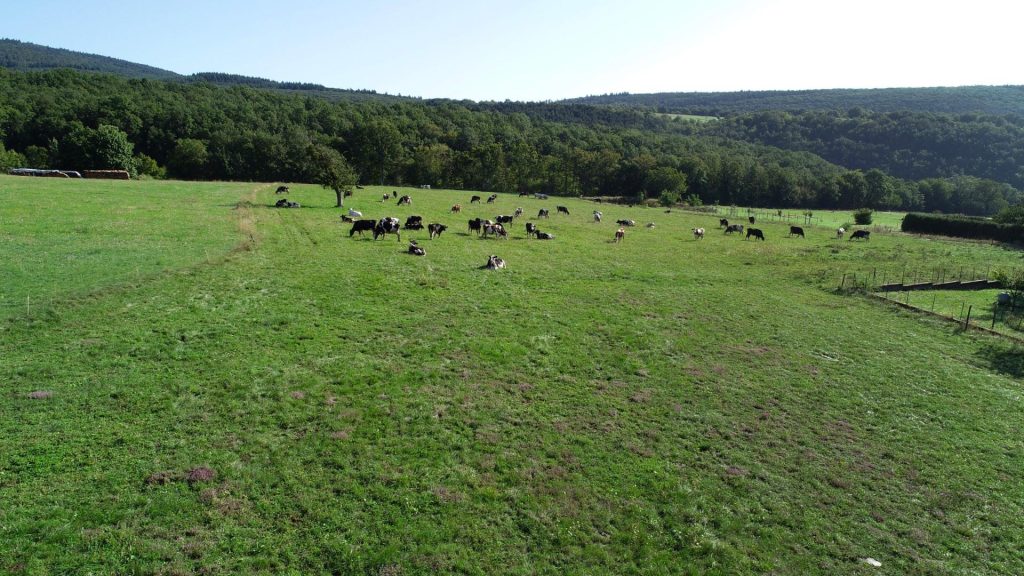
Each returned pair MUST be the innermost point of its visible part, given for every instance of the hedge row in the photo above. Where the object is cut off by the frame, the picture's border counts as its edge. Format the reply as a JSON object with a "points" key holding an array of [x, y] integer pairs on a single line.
{"points": [[962, 227]]}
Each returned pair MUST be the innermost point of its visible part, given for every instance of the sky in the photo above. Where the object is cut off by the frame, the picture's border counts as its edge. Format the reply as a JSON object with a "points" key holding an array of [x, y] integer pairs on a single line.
{"points": [[535, 50]]}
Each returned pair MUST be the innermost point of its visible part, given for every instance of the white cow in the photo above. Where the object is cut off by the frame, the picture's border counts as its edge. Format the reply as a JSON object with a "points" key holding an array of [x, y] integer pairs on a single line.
{"points": [[353, 213]]}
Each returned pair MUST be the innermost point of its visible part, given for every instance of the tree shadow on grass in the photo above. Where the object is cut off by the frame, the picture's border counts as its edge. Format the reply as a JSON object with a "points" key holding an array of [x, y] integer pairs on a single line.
{"points": [[1006, 359]]}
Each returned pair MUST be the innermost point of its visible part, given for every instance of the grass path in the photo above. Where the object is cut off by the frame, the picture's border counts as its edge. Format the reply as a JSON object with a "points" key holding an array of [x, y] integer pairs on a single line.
{"points": [[662, 406]]}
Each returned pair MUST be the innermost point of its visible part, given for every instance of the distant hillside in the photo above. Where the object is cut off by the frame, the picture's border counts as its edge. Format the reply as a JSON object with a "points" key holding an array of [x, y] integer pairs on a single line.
{"points": [[25, 56], [996, 100]]}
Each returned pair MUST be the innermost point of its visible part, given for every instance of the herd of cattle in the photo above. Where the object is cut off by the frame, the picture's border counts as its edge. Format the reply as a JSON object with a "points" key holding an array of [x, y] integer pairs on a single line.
{"points": [[496, 228]]}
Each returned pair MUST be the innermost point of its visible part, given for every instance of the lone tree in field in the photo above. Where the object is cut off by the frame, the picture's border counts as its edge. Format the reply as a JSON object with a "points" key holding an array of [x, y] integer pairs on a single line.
{"points": [[331, 170]]}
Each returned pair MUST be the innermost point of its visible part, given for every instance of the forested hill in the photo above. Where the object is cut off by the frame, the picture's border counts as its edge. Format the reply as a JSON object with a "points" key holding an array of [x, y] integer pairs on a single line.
{"points": [[26, 56], [997, 100]]}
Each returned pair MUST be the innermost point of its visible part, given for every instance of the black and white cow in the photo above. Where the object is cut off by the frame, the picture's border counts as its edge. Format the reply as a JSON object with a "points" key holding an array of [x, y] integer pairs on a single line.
{"points": [[723, 223], [626, 222], [405, 200], [281, 190], [530, 228], [436, 229], [492, 198], [543, 213], [385, 226], [734, 228], [415, 250], [504, 219]]}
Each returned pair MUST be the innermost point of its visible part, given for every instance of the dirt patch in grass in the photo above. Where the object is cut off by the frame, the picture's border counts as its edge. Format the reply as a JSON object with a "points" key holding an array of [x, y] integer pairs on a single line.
{"points": [[445, 494], [298, 394], [161, 478], [40, 394], [736, 471], [341, 435], [200, 474]]}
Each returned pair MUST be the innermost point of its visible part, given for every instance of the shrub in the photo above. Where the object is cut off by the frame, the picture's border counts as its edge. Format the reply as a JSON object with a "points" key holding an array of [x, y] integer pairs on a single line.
{"points": [[668, 198], [863, 216], [693, 200], [962, 226], [1011, 215]]}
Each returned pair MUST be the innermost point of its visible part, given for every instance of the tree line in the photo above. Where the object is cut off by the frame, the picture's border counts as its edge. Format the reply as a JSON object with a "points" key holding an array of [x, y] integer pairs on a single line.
{"points": [[71, 120]]}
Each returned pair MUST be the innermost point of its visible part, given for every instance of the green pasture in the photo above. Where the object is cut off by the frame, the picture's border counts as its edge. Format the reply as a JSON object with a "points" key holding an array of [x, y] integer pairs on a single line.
{"points": [[827, 219], [981, 304], [312, 403]]}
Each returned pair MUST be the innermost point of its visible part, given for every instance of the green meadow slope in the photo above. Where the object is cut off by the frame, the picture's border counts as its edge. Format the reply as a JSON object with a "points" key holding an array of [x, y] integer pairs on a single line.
{"points": [[276, 397]]}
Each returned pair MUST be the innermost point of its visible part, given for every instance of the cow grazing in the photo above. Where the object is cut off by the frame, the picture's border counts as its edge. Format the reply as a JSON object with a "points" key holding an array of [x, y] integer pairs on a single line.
{"points": [[456, 208], [496, 230], [362, 226], [415, 250], [734, 228], [346, 219], [755, 233], [863, 234], [492, 198], [750, 219], [476, 225], [385, 198], [494, 263], [543, 213], [504, 219], [620, 234], [723, 223], [530, 228], [626, 222], [698, 233], [518, 212], [543, 235], [405, 200], [474, 200], [597, 216], [354, 213], [414, 223], [282, 190], [385, 226], [436, 229], [394, 193], [839, 233], [796, 231], [521, 194], [562, 210]]}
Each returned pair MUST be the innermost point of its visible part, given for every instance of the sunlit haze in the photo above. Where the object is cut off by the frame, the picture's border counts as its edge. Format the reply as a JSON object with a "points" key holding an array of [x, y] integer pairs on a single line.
{"points": [[547, 50]]}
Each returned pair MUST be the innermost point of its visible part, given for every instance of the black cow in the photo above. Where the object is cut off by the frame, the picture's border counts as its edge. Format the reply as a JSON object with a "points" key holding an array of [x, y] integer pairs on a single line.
{"points": [[474, 200], [563, 210], [861, 234], [521, 194], [504, 219], [755, 233], [436, 229], [543, 213], [626, 222], [281, 190], [734, 228], [387, 226], [413, 223], [723, 223], [362, 226], [797, 231], [751, 219], [405, 200], [492, 198], [530, 228], [475, 225], [544, 235], [415, 250]]}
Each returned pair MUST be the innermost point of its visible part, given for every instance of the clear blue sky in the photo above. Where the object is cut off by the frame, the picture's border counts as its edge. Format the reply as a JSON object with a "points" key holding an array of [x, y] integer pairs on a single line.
{"points": [[547, 49]]}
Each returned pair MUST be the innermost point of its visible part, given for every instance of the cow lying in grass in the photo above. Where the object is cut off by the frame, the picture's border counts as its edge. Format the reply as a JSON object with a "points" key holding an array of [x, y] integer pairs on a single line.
{"points": [[626, 222], [494, 263], [415, 250], [543, 235]]}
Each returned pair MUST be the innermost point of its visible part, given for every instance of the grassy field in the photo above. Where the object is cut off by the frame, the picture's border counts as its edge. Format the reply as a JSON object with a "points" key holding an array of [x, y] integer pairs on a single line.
{"points": [[827, 219], [319, 404], [957, 303]]}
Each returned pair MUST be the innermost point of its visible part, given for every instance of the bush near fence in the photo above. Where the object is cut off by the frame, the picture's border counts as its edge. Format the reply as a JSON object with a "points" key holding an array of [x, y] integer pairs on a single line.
{"points": [[962, 226]]}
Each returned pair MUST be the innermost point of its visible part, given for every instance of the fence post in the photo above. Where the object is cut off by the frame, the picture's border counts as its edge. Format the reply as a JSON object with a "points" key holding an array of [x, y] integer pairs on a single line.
{"points": [[933, 301], [995, 310], [843, 284], [967, 321]]}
